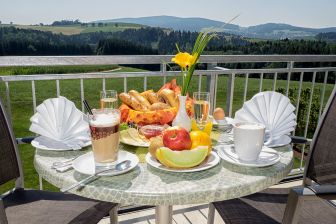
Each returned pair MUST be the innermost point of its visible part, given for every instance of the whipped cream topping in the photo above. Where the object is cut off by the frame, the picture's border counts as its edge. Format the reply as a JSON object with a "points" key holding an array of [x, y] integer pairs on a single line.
{"points": [[105, 120]]}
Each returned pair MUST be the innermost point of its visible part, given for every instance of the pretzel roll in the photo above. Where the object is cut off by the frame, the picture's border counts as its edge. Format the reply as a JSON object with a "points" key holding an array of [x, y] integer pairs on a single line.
{"points": [[151, 96], [145, 93], [159, 106], [139, 98], [169, 96], [132, 102]]}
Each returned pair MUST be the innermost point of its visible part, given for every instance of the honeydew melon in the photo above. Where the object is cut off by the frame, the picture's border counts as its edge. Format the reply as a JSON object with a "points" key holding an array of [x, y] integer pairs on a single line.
{"points": [[182, 159]]}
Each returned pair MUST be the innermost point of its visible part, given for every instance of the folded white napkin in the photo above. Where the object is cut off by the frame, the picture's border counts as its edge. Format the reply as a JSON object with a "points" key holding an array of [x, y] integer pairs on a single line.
{"points": [[59, 119], [272, 109]]}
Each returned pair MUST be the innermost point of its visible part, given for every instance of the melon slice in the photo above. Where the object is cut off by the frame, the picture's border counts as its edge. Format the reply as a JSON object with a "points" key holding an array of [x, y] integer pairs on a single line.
{"points": [[182, 159]]}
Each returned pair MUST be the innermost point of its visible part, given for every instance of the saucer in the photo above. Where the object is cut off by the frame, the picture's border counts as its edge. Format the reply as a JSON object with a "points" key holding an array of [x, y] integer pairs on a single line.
{"points": [[267, 156], [85, 163]]}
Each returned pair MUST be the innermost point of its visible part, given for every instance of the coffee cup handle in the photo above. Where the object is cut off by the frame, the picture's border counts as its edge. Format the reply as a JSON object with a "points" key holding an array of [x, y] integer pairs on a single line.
{"points": [[269, 139]]}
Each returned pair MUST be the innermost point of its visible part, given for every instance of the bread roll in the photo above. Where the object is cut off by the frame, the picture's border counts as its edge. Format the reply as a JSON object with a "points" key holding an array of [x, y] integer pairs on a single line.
{"points": [[140, 98], [169, 96], [132, 102], [150, 96], [159, 106]]}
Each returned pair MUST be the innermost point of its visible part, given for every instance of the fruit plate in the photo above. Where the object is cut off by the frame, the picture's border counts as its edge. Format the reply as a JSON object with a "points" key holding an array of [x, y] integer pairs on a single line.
{"points": [[132, 139], [211, 161]]}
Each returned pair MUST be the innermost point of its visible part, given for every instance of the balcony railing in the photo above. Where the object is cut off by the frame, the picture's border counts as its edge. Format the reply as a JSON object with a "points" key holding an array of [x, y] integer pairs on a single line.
{"points": [[213, 79]]}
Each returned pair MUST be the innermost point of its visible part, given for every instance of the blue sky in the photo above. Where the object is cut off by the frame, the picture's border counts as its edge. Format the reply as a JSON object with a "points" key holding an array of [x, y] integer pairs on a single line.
{"points": [[308, 13]]}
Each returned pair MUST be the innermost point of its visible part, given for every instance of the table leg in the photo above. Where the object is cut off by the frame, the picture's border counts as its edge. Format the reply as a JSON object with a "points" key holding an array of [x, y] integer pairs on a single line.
{"points": [[40, 182], [164, 214]]}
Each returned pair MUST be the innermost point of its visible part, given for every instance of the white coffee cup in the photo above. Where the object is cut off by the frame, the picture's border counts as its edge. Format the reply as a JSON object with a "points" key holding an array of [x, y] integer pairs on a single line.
{"points": [[249, 140]]}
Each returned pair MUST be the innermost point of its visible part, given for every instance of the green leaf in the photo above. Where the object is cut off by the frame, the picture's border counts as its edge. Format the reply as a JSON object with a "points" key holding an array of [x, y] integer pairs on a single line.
{"points": [[200, 44]]}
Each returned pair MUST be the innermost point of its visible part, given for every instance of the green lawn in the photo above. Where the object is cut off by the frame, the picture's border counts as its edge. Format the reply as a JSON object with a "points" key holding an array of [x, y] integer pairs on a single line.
{"points": [[22, 106]]}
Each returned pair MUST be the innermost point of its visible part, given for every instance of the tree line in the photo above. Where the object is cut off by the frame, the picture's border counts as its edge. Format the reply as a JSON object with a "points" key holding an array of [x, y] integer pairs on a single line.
{"points": [[15, 41], [152, 41]]}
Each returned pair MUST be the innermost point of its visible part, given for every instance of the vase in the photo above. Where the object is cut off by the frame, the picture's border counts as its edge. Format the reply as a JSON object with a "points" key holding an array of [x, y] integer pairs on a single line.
{"points": [[182, 119]]}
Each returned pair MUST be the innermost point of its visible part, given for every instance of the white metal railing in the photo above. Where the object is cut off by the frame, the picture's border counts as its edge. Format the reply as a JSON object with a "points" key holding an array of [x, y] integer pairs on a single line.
{"points": [[212, 74]]}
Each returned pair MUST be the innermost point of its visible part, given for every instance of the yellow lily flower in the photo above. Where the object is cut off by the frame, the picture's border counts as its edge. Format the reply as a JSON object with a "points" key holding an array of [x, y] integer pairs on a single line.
{"points": [[184, 59]]}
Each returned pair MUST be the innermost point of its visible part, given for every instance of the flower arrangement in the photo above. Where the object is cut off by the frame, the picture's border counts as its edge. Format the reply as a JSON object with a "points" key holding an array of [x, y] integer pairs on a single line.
{"points": [[188, 62]]}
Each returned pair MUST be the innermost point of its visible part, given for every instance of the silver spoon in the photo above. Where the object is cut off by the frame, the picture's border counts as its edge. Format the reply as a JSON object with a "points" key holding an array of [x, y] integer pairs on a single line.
{"points": [[119, 167]]}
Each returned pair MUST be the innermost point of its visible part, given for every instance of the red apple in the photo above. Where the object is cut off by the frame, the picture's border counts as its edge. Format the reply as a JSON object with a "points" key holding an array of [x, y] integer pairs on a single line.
{"points": [[176, 138]]}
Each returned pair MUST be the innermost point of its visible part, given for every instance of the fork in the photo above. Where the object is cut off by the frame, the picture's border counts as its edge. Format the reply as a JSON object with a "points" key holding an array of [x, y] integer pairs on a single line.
{"points": [[66, 162]]}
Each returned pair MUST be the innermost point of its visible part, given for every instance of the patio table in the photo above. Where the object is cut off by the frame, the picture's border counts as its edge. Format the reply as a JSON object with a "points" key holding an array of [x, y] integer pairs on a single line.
{"points": [[146, 185]]}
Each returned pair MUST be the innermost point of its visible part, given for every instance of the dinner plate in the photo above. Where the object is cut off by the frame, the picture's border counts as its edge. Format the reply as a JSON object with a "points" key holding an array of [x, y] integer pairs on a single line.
{"points": [[211, 161], [85, 163], [267, 156], [128, 140], [45, 143], [282, 141]]}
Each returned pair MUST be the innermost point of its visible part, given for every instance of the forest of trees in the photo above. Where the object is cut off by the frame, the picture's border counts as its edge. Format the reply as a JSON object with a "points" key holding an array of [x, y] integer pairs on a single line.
{"points": [[328, 37], [14, 41], [118, 47], [66, 22]]}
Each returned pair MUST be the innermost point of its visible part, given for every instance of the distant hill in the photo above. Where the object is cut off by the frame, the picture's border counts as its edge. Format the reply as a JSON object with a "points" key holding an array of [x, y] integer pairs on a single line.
{"points": [[263, 31], [172, 22], [282, 31], [80, 28]]}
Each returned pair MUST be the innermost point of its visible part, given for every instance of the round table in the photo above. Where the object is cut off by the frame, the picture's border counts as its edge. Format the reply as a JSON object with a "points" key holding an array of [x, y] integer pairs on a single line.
{"points": [[146, 185]]}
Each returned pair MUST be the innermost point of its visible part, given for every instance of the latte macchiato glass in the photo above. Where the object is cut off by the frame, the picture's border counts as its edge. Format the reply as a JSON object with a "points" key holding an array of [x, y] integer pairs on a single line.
{"points": [[248, 140], [104, 127]]}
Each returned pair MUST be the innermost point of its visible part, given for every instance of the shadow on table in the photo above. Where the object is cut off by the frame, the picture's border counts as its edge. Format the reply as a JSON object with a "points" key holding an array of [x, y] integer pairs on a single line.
{"points": [[119, 182]]}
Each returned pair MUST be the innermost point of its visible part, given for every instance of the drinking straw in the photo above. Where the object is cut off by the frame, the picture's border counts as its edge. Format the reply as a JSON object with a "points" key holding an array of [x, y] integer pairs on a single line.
{"points": [[87, 107]]}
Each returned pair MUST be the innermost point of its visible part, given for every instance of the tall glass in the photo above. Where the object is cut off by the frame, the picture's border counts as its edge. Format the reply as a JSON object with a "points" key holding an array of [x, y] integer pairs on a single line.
{"points": [[104, 127], [201, 108], [109, 99]]}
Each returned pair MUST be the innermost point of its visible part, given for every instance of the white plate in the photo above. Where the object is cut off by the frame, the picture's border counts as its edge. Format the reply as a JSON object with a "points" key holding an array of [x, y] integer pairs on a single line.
{"points": [[85, 163], [208, 163], [267, 156], [132, 142], [282, 141], [45, 143]]}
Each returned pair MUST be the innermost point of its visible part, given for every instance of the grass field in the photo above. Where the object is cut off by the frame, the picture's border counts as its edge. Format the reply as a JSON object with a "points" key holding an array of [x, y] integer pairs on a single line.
{"points": [[22, 105], [76, 29]]}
